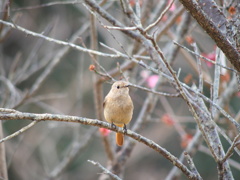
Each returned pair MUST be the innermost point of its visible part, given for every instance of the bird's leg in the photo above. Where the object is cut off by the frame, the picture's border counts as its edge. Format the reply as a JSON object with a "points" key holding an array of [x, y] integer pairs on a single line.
{"points": [[125, 129], [113, 126]]}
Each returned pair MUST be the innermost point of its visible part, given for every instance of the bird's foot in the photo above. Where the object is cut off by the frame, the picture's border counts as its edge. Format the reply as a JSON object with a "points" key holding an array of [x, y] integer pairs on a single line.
{"points": [[124, 129], [113, 125]]}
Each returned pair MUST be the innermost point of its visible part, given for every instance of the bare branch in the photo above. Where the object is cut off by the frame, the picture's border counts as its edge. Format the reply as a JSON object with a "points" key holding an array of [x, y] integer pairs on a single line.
{"points": [[160, 17], [94, 122], [216, 83], [202, 57], [20, 131], [104, 170], [213, 28], [76, 148], [192, 165], [48, 5], [199, 68], [64, 43], [231, 149], [3, 164]]}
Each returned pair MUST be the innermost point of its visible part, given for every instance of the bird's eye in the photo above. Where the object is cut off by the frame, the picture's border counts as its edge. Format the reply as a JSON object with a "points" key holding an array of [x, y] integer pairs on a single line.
{"points": [[118, 87]]}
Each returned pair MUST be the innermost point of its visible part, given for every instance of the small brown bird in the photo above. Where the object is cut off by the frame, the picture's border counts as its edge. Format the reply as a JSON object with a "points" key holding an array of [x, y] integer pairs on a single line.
{"points": [[118, 107]]}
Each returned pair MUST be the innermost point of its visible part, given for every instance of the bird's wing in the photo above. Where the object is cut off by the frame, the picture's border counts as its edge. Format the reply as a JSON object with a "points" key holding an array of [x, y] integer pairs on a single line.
{"points": [[104, 102]]}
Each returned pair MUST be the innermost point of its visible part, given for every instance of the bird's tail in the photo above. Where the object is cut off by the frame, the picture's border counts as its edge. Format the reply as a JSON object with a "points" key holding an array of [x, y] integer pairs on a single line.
{"points": [[119, 136]]}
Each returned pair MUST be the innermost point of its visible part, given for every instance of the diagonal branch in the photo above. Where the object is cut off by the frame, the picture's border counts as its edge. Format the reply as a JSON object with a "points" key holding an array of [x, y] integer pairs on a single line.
{"points": [[213, 30], [106, 171]]}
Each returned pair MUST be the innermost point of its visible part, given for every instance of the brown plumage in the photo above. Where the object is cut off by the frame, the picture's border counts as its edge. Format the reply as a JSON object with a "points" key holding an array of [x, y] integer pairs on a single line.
{"points": [[118, 107]]}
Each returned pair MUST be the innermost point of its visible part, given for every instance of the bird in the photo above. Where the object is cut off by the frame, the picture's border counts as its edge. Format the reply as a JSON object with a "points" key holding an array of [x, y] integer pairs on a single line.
{"points": [[118, 107]]}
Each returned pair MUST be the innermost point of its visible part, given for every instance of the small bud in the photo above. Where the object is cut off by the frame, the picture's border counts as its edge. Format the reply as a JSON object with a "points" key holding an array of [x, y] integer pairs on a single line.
{"points": [[92, 67], [179, 19], [189, 39], [104, 131], [225, 77], [232, 10], [186, 139], [188, 79], [167, 120]]}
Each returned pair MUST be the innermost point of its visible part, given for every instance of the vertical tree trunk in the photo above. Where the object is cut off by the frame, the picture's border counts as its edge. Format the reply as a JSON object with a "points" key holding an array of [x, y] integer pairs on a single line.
{"points": [[3, 164]]}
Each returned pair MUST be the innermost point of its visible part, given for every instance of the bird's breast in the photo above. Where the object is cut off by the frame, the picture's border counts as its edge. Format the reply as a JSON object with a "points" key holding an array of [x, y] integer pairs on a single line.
{"points": [[118, 110]]}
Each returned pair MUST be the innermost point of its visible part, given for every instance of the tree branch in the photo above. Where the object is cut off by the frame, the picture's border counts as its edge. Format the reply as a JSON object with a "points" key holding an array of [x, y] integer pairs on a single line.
{"points": [[105, 170], [213, 29], [95, 122]]}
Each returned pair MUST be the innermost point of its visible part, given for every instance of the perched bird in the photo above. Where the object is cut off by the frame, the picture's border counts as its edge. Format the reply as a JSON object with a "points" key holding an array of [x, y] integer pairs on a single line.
{"points": [[118, 107]]}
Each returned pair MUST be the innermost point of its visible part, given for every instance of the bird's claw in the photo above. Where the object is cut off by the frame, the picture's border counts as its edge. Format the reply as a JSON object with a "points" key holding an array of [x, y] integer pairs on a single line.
{"points": [[124, 129], [113, 125]]}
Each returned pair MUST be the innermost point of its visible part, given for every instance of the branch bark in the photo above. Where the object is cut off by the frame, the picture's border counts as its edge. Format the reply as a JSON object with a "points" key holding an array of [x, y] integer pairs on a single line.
{"points": [[215, 27], [3, 164], [94, 122]]}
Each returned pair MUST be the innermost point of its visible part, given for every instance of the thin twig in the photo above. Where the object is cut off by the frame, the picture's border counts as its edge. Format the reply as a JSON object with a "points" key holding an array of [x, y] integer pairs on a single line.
{"points": [[191, 148], [131, 14], [233, 163], [120, 28], [171, 113], [178, 36], [216, 82], [171, 20], [202, 57], [231, 149], [192, 165], [155, 92], [43, 76], [105, 170], [48, 5], [6, 110], [160, 17], [64, 43], [20, 131], [75, 149], [25, 71], [200, 86]]}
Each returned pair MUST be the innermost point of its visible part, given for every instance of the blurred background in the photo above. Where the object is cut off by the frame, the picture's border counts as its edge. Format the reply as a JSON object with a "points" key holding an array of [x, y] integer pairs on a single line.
{"points": [[40, 76]]}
